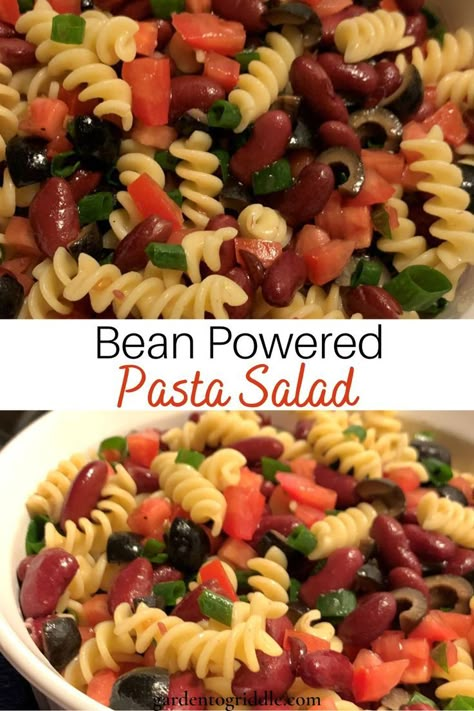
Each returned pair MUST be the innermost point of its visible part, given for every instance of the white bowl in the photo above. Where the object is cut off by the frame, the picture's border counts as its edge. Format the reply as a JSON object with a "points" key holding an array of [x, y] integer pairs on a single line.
{"points": [[26, 460]]}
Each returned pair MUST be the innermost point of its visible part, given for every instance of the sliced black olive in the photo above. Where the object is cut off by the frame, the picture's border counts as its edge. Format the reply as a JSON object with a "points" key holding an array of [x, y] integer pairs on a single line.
{"points": [[408, 98], [369, 4], [141, 689], [345, 163], [379, 125], [428, 449], [87, 5], [450, 591], [188, 545], [11, 296], [468, 182], [412, 607], [298, 564], [289, 104], [296, 610], [154, 601], [302, 136], [123, 547], [27, 160], [235, 196], [369, 578], [61, 641], [452, 493], [96, 141], [186, 125], [383, 494], [89, 241]]}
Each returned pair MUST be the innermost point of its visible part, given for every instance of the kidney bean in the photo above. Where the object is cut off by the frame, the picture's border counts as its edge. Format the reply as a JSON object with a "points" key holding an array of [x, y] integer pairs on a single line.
{"points": [[330, 23], [47, 577], [17, 53], [429, 546], [303, 428], [407, 578], [336, 133], [417, 27], [393, 544], [227, 257], [282, 523], [241, 278], [360, 78], [253, 267], [339, 572], [276, 628], [462, 563], [254, 448], [409, 7], [23, 566], [165, 33], [343, 485], [188, 609], [311, 81], [251, 13], [267, 144], [130, 254], [166, 574], [220, 221], [299, 159], [267, 488], [193, 92], [283, 279], [183, 685], [389, 80], [54, 216], [135, 580], [84, 492], [137, 10], [468, 118], [301, 203], [373, 615], [145, 480], [327, 670], [371, 302], [7, 30], [275, 674], [83, 182]]}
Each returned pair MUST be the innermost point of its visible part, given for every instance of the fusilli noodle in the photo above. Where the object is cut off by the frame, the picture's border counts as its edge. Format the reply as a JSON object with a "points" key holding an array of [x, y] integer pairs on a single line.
{"points": [[348, 528], [372, 33]]}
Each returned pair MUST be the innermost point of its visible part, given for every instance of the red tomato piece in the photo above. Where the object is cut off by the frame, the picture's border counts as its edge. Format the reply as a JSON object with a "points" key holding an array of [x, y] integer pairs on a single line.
{"points": [[265, 251], [303, 467], [210, 32], [19, 236], [456, 621], [434, 628], [326, 263], [146, 38], [149, 518], [72, 7], [308, 514], [405, 478], [389, 165], [160, 137], [60, 144], [376, 190], [371, 684], [143, 446], [45, 117], [250, 479], [101, 684], [236, 552], [244, 511], [9, 11], [96, 610], [307, 492], [413, 498], [342, 221], [365, 659], [214, 570], [313, 643], [150, 199], [223, 70], [392, 646], [150, 81], [310, 237], [449, 117], [279, 501], [76, 107], [325, 8]]}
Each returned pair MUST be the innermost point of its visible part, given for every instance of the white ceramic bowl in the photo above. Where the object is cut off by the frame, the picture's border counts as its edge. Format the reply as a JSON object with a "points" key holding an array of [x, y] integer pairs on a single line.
{"points": [[26, 460]]}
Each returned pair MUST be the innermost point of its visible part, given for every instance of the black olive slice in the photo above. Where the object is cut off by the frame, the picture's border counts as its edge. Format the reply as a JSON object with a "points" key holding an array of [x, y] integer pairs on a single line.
{"points": [[369, 578], [452, 493], [187, 545], [96, 141], [27, 160], [428, 449], [61, 641], [302, 136], [290, 13], [412, 607], [89, 241], [141, 689], [343, 160], [383, 494], [408, 98], [288, 103], [11, 296], [450, 591], [380, 125], [123, 547], [235, 196], [298, 564]]}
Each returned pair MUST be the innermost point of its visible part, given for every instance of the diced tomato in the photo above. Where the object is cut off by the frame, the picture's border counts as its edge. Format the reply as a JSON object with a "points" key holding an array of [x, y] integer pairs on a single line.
{"points": [[456, 621], [326, 263], [392, 646], [149, 518], [325, 8], [389, 165], [407, 479], [223, 70], [365, 659], [429, 104], [459, 483], [45, 117], [434, 628], [308, 514], [60, 144], [414, 497], [342, 221], [375, 191], [413, 131], [307, 492], [150, 199], [242, 500], [411, 179], [310, 237], [146, 38], [303, 467], [19, 236], [177, 511], [250, 479], [313, 643], [76, 107], [449, 117], [371, 684], [72, 7], [390, 5], [198, 5], [265, 251], [9, 11], [150, 81], [101, 684], [96, 610], [214, 570], [279, 501], [143, 446], [18, 267], [236, 552], [446, 650], [210, 32], [86, 633], [393, 219]]}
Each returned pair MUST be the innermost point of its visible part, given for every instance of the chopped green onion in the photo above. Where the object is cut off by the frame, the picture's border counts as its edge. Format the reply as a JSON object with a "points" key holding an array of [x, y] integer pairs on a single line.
{"points": [[171, 592], [461, 703], [35, 535], [68, 29], [273, 178], [223, 114], [271, 466], [332, 512], [167, 256], [418, 287], [64, 164], [216, 606], [189, 456], [108, 259], [319, 566], [418, 698], [336, 604], [244, 58], [97, 206], [243, 598], [366, 273], [166, 160], [112, 177], [165, 8], [25, 5], [115, 445], [153, 550], [439, 472], [356, 431], [434, 310], [176, 196], [436, 29], [294, 589], [242, 581], [2, 254], [302, 540], [381, 221], [224, 160], [425, 436], [440, 656]]}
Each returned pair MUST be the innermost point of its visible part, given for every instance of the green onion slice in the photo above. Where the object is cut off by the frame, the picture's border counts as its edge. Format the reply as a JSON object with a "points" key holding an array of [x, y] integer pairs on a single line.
{"points": [[224, 160], [425, 436], [336, 604], [244, 58], [165, 8], [64, 164], [189, 456], [333, 512], [216, 606], [461, 703], [68, 29], [167, 256], [436, 28], [302, 540], [97, 206], [25, 5], [115, 445], [242, 581], [381, 221], [294, 589], [273, 179], [270, 467], [366, 273], [171, 592], [153, 550], [440, 656], [223, 114], [166, 160], [418, 698], [439, 472], [356, 431], [418, 287], [35, 534], [176, 196]]}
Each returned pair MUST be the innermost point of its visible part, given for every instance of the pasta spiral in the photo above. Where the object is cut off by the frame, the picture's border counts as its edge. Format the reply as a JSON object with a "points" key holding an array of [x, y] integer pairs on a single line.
{"points": [[370, 34], [457, 87], [455, 53], [214, 429], [292, 447], [405, 245], [447, 517], [316, 304], [348, 528], [140, 626], [34, 82], [187, 487], [395, 452], [115, 40], [205, 247], [259, 222], [199, 187], [223, 468], [459, 677], [272, 579], [47, 293], [323, 630], [49, 496], [9, 99]]}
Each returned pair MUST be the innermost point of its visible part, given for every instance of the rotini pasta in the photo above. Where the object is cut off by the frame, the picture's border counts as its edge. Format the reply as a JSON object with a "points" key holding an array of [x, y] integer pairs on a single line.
{"points": [[458, 88], [204, 246], [223, 468], [348, 528], [455, 53], [259, 222], [272, 579], [48, 498], [447, 517], [372, 33]]}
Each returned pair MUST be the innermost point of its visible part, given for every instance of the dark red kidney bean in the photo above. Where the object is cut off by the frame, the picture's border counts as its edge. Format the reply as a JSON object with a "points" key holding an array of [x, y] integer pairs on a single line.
{"points": [[343, 485], [113, 6], [35, 629], [407, 578], [188, 609], [17, 53], [409, 517], [84, 492], [389, 80], [166, 574], [220, 221], [373, 615], [193, 92], [360, 78], [241, 278], [336, 133], [267, 488], [137, 10], [301, 203], [254, 448], [275, 674], [276, 628], [302, 429], [311, 81], [267, 144], [165, 33], [251, 13], [299, 159], [427, 108], [462, 563], [146, 481], [339, 572], [282, 523], [23, 567], [409, 7], [372, 302], [417, 27], [330, 23], [227, 257], [54, 216], [47, 577], [83, 182], [7, 30], [327, 670], [468, 118], [130, 254], [428, 546], [253, 267], [284, 278], [135, 580], [393, 544], [185, 685]]}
